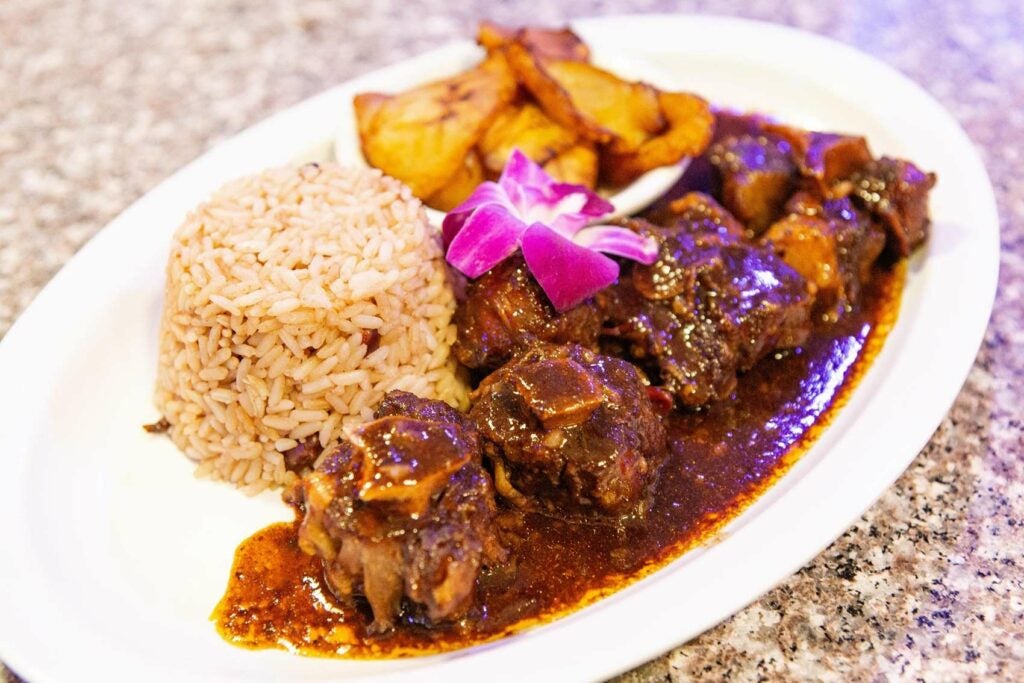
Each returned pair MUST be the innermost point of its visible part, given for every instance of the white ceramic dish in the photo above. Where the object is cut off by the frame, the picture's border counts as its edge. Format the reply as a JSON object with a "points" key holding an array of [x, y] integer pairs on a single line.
{"points": [[112, 556], [442, 63]]}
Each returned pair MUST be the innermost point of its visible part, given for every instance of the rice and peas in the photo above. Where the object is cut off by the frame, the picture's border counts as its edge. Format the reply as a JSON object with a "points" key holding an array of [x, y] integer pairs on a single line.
{"points": [[297, 298]]}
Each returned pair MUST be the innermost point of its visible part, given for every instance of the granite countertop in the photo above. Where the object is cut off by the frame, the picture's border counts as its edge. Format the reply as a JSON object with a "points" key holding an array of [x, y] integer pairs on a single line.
{"points": [[102, 100]]}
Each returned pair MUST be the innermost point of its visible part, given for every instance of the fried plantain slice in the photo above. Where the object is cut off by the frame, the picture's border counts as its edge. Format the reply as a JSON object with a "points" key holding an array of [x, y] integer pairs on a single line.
{"points": [[630, 111], [553, 99], [593, 102], [367, 105], [422, 136], [459, 186], [577, 164], [548, 43], [690, 125], [492, 36], [526, 126]]}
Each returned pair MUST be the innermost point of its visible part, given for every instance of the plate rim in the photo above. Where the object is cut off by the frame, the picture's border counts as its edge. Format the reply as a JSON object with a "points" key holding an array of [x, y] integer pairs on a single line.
{"points": [[606, 661]]}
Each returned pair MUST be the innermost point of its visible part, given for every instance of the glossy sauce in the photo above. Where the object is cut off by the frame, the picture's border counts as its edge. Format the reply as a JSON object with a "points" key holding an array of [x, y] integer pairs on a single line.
{"points": [[721, 459]]}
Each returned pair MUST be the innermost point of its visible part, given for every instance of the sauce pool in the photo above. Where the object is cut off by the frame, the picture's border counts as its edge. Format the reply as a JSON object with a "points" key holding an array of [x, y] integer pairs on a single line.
{"points": [[721, 459]]}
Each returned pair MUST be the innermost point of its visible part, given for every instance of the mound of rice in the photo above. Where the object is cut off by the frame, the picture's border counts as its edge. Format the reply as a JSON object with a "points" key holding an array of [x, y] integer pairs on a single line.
{"points": [[295, 300]]}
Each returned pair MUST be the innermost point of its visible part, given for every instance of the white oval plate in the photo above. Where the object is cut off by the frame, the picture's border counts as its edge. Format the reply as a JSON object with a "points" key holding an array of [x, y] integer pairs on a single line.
{"points": [[443, 63], [113, 555]]}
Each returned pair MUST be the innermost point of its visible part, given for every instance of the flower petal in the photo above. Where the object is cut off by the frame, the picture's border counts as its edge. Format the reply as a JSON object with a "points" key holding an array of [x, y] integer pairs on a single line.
{"points": [[539, 198], [485, 193], [485, 239], [595, 205], [567, 272], [566, 208], [612, 239], [520, 170]]}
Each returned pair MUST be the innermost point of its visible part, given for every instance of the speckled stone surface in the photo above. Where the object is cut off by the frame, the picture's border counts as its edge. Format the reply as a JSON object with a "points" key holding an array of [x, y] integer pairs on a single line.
{"points": [[100, 100]]}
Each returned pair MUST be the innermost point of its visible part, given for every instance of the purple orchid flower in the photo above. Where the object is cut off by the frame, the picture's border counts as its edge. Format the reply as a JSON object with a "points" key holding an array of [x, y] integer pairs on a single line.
{"points": [[548, 221]]}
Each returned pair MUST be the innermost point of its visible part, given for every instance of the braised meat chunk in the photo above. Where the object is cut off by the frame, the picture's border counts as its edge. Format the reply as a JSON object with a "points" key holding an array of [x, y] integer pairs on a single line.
{"points": [[896, 193], [506, 311], [700, 211], [832, 245], [710, 306], [765, 300], [403, 510], [824, 159], [757, 175], [570, 431], [687, 344]]}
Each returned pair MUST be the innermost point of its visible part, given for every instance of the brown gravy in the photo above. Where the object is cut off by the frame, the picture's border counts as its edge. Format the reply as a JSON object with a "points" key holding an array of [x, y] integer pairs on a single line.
{"points": [[721, 459]]}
